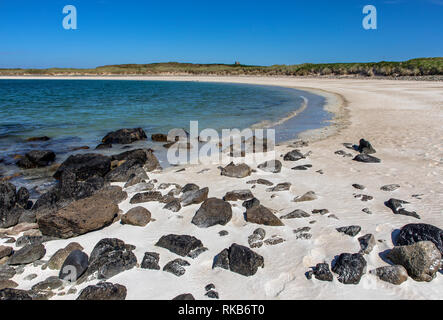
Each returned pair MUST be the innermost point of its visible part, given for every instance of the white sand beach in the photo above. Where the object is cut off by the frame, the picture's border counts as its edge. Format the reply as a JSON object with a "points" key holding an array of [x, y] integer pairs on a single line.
{"points": [[402, 120]]}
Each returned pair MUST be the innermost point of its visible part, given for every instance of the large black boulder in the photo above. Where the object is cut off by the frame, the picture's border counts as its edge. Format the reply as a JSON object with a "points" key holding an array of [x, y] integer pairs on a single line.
{"points": [[85, 166], [124, 136], [415, 232], [8, 196], [11, 208], [365, 147], [14, 294], [212, 212], [241, 260], [36, 159], [110, 257], [363, 157], [103, 291], [396, 206], [179, 244], [68, 190], [144, 157], [350, 268], [74, 266]]}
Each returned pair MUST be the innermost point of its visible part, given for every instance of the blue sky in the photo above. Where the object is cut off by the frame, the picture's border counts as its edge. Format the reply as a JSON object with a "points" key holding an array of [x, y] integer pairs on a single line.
{"points": [[213, 31]]}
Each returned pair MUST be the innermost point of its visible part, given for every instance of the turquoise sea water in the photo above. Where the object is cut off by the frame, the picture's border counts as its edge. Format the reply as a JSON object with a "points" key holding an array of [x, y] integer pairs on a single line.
{"points": [[80, 112]]}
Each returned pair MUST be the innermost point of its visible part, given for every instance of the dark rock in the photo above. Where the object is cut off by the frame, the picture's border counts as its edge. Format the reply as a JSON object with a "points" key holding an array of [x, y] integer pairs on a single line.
{"points": [[173, 205], [49, 283], [308, 196], [209, 287], [34, 139], [359, 186], [103, 291], [302, 167], [367, 243], [125, 171], [68, 190], [27, 254], [184, 296], [251, 203], [223, 233], [241, 170], [25, 240], [79, 217], [296, 214], [262, 215], [133, 180], [393, 274], [242, 260], [343, 153], [146, 197], [102, 146], [363, 197], [176, 267], [256, 238], [366, 158], [196, 252], [416, 232], [8, 196], [6, 272], [194, 196], [390, 187], [260, 181], [260, 232], [293, 155], [159, 137], [9, 218], [397, 208], [145, 157], [190, 187], [150, 261], [36, 159], [14, 294], [238, 195], [285, 186], [74, 266], [422, 259], [8, 284], [179, 244], [85, 166], [212, 212], [212, 294], [137, 216], [274, 240], [5, 251], [273, 166], [125, 136], [23, 197], [366, 210], [110, 257], [351, 231], [365, 147], [321, 272], [350, 268], [221, 260], [320, 211]]}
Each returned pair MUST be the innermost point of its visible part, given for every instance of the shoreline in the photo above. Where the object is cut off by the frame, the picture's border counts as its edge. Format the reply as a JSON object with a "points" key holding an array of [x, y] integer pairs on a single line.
{"points": [[339, 119]]}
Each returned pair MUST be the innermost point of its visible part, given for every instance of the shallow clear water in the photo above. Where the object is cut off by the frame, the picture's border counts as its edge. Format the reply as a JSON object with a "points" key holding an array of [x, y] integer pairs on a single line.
{"points": [[80, 112]]}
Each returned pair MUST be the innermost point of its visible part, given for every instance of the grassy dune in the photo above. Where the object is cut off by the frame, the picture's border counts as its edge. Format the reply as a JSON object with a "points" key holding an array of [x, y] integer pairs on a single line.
{"points": [[414, 67]]}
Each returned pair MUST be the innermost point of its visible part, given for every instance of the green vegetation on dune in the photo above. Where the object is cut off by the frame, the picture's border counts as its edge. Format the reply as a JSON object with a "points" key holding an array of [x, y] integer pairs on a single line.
{"points": [[414, 67]]}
